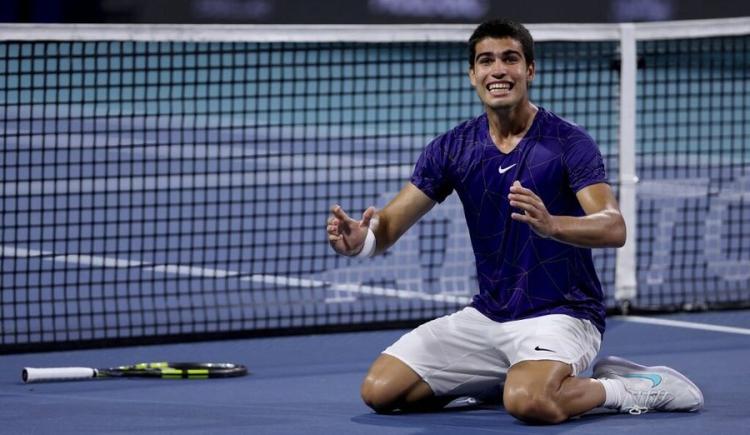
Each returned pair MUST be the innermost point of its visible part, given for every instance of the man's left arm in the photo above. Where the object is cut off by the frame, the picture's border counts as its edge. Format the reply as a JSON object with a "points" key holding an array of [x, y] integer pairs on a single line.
{"points": [[602, 226]]}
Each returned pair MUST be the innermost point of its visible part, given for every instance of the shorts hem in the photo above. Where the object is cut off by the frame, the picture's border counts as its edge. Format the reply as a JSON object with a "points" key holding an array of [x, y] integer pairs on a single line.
{"points": [[573, 370]]}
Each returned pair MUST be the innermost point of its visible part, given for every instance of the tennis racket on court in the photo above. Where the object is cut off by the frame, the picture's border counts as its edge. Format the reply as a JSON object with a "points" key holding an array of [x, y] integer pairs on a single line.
{"points": [[162, 370]]}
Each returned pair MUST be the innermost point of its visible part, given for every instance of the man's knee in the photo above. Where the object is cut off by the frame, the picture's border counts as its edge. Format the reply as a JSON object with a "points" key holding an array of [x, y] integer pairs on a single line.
{"points": [[390, 384], [532, 391], [379, 395], [538, 408]]}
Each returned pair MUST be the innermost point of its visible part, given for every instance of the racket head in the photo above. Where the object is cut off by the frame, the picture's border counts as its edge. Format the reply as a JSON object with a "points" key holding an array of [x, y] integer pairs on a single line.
{"points": [[178, 370]]}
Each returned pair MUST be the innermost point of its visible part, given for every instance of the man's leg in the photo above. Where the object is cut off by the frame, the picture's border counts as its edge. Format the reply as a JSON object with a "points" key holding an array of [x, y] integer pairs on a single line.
{"points": [[390, 385], [543, 391]]}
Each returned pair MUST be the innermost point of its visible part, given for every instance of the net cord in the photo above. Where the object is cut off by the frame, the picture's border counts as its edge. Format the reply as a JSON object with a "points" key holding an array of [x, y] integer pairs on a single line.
{"points": [[358, 33]]}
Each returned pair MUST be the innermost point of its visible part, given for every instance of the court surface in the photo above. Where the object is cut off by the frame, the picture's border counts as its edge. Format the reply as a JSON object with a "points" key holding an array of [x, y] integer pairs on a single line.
{"points": [[309, 385]]}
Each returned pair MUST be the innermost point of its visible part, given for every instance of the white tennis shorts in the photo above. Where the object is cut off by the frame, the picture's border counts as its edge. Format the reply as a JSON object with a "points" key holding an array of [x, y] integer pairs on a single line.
{"points": [[466, 353]]}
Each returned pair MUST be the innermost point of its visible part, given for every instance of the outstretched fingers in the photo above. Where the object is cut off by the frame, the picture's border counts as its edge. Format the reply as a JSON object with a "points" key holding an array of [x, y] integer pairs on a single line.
{"points": [[340, 219], [338, 212], [345, 234], [334, 223]]}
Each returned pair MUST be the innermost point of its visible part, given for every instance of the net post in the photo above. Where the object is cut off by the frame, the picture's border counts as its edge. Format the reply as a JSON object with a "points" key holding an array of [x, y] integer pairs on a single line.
{"points": [[625, 270]]}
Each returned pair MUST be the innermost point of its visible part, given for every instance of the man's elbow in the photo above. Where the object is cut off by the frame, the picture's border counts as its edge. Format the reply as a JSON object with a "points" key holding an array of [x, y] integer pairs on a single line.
{"points": [[618, 232]]}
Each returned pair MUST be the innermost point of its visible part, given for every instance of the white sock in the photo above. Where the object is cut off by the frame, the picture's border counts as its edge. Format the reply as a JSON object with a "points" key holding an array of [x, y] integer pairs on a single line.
{"points": [[613, 393]]}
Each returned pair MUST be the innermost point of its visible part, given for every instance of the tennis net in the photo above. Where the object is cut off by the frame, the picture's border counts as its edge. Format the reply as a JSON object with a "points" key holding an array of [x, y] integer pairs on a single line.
{"points": [[173, 182]]}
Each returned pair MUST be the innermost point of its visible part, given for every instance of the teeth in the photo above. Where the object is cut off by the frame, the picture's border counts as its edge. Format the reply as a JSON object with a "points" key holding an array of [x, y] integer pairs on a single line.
{"points": [[498, 86]]}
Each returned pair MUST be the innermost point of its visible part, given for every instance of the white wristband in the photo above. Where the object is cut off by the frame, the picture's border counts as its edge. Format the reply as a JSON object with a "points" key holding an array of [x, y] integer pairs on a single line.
{"points": [[368, 248]]}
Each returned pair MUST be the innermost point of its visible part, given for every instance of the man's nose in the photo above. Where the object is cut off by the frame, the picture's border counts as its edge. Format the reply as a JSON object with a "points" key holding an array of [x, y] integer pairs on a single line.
{"points": [[498, 69]]}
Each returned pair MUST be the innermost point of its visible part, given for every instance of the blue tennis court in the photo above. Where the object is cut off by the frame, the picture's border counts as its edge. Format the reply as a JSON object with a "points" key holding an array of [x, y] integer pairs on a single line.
{"points": [[310, 384]]}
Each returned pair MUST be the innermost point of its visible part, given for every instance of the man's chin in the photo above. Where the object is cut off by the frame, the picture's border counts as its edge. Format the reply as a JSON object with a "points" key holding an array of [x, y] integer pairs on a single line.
{"points": [[500, 105]]}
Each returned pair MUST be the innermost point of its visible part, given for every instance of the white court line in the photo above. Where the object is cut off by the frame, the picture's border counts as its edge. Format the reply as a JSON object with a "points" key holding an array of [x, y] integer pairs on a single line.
{"points": [[202, 272], [683, 324]]}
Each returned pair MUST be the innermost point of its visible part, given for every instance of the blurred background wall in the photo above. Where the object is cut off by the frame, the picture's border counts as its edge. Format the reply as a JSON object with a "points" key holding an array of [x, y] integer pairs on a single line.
{"points": [[363, 11]]}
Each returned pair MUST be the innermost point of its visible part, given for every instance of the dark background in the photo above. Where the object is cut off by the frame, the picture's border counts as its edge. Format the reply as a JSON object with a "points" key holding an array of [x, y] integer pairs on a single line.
{"points": [[363, 11]]}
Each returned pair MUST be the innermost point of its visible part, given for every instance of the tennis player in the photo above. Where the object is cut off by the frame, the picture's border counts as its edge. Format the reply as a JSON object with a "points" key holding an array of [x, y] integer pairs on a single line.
{"points": [[536, 200]]}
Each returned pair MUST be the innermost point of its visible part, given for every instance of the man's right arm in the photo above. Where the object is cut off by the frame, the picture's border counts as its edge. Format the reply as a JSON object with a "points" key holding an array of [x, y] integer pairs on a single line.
{"points": [[347, 236], [403, 211]]}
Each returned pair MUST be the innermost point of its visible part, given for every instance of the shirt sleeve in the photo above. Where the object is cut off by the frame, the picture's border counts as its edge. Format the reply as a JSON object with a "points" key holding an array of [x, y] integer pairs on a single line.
{"points": [[583, 161], [431, 172]]}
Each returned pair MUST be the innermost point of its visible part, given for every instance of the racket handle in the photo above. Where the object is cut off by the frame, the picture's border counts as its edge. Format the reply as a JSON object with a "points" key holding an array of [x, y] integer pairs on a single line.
{"points": [[31, 374]]}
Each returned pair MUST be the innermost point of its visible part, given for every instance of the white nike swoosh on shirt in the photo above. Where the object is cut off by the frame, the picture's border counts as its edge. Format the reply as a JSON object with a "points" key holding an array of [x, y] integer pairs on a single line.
{"points": [[504, 170]]}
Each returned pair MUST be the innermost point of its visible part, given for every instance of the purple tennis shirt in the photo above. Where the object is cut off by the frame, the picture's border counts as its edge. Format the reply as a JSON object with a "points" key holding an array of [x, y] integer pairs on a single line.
{"points": [[520, 274]]}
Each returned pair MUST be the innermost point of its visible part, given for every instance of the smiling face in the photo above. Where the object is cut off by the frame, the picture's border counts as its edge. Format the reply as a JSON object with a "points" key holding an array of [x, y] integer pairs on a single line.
{"points": [[500, 74]]}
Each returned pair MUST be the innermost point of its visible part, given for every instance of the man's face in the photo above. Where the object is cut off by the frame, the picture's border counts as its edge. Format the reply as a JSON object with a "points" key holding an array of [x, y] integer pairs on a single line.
{"points": [[500, 74]]}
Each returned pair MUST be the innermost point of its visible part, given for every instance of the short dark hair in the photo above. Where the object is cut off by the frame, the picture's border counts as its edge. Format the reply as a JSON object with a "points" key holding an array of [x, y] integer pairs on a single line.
{"points": [[502, 28]]}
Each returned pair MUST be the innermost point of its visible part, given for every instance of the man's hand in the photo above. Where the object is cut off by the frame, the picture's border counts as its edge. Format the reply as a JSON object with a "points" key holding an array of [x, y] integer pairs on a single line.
{"points": [[534, 212], [346, 235]]}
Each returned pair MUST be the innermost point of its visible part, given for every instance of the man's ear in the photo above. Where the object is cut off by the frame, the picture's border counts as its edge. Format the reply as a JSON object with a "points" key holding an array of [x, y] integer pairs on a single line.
{"points": [[531, 71], [472, 78]]}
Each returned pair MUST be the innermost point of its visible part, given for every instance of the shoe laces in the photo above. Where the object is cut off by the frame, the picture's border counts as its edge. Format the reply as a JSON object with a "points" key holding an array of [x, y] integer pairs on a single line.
{"points": [[648, 400]]}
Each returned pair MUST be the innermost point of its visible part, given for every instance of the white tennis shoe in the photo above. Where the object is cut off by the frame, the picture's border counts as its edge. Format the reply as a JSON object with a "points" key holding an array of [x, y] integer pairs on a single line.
{"points": [[655, 388]]}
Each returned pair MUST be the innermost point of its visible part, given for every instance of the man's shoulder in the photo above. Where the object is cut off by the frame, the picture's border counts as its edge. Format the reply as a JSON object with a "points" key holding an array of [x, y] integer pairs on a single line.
{"points": [[563, 132], [558, 123], [469, 126], [467, 130]]}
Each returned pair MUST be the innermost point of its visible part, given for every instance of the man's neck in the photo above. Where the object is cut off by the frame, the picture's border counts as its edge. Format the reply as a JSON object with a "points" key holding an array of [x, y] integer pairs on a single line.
{"points": [[508, 127]]}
